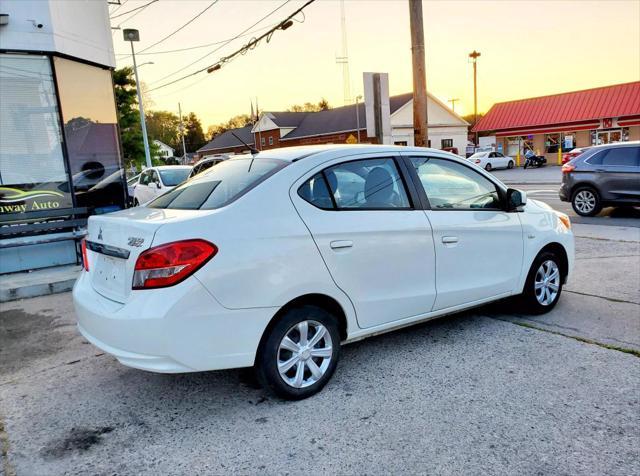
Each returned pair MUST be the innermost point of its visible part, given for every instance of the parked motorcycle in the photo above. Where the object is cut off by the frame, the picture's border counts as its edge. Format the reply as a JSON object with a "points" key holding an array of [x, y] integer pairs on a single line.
{"points": [[535, 161]]}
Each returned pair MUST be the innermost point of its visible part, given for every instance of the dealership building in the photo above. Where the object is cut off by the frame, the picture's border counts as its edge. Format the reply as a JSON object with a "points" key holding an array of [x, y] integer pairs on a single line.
{"points": [[60, 155], [550, 125]]}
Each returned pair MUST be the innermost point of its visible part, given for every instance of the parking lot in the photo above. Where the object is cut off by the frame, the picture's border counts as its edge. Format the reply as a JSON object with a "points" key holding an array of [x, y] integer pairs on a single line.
{"points": [[484, 392]]}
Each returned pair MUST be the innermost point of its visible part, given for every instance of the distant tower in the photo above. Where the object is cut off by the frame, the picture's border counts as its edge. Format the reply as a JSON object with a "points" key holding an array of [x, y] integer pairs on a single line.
{"points": [[344, 58]]}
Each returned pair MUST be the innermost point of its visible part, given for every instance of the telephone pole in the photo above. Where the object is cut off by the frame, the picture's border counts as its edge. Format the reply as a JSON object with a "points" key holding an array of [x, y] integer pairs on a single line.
{"points": [[420, 132], [184, 148], [453, 102], [474, 57]]}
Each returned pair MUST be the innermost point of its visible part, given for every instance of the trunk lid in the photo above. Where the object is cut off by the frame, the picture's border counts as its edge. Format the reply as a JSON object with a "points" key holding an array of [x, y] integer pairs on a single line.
{"points": [[114, 242]]}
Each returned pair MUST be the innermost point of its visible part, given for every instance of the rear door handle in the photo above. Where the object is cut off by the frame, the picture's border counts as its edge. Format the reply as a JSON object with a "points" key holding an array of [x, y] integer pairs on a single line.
{"points": [[336, 245], [447, 240]]}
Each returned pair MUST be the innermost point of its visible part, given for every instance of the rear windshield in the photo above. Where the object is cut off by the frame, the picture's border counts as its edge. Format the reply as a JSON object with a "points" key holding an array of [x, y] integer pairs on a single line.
{"points": [[219, 185], [172, 177]]}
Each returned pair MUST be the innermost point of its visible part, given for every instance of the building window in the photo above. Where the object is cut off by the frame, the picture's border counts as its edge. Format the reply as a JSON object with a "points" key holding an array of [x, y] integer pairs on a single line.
{"points": [[551, 143], [270, 140], [609, 136], [400, 142], [445, 143], [91, 134], [262, 142], [31, 157]]}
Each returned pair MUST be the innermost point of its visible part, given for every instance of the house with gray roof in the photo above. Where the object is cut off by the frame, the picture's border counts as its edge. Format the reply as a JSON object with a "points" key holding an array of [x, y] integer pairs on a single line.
{"points": [[347, 124]]}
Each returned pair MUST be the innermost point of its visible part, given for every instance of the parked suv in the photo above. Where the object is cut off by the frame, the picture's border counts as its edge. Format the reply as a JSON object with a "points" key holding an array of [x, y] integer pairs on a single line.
{"points": [[606, 175]]}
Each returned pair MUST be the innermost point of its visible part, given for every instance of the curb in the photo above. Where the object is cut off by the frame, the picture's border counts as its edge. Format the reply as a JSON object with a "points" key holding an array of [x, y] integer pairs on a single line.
{"points": [[35, 290]]}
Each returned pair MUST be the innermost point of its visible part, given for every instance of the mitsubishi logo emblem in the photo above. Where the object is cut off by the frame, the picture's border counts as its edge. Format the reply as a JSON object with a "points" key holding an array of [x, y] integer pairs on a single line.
{"points": [[100, 234]]}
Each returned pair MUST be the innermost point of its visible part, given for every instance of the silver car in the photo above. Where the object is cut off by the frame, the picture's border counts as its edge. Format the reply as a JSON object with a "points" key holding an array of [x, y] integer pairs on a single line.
{"points": [[602, 176]]}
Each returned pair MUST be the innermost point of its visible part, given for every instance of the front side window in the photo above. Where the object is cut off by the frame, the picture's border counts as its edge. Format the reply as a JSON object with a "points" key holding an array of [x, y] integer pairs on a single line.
{"points": [[453, 186], [621, 157], [32, 169], [367, 184], [219, 185]]}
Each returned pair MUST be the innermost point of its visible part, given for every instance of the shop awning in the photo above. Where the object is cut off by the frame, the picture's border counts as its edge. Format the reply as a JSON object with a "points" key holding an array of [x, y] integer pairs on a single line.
{"points": [[578, 108]]}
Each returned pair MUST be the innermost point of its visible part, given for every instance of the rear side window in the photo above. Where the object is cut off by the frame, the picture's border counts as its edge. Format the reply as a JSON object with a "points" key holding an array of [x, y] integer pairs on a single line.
{"points": [[219, 185], [316, 192]]}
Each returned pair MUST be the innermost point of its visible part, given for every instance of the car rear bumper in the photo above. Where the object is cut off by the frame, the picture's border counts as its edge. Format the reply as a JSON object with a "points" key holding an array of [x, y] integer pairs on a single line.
{"points": [[564, 193], [170, 330]]}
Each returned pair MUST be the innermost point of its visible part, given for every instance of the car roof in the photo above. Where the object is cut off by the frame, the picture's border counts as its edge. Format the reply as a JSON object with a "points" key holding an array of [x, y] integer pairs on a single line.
{"points": [[615, 144], [292, 154], [170, 167]]}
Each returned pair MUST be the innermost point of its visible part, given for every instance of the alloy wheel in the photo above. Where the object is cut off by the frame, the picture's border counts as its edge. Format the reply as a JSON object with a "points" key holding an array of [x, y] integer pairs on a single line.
{"points": [[585, 201], [304, 354], [547, 283]]}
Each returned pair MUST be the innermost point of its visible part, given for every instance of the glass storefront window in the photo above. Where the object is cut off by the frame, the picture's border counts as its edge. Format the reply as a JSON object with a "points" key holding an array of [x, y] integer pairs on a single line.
{"points": [[91, 132], [608, 136], [32, 167], [551, 143]]}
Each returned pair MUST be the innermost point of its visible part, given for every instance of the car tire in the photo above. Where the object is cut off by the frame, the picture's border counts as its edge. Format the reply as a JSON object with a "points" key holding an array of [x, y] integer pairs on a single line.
{"points": [[291, 366], [543, 287], [586, 202], [510, 164], [136, 203], [488, 167]]}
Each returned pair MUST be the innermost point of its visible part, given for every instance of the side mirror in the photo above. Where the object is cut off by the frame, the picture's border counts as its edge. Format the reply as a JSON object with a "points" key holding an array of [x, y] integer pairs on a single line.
{"points": [[516, 199], [158, 185]]}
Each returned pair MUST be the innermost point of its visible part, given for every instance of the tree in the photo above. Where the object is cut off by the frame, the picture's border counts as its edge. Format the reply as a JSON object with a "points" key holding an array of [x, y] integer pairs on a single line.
{"points": [[322, 105], [235, 122], [128, 117], [193, 133], [471, 119], [165, 127]]}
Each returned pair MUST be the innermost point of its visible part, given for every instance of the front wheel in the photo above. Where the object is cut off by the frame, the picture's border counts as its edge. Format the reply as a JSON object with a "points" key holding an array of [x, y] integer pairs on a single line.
{"points": [[544, 284], [299, 354], [510, 164], [488, 167], [586, 202]]}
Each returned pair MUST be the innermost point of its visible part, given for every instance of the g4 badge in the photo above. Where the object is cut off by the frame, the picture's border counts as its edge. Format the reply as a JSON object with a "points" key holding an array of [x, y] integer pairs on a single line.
{"points": [[135, 241]]}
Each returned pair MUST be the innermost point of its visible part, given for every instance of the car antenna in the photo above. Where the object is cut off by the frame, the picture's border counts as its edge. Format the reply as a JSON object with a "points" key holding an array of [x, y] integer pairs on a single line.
{"points": [[253, 150]]}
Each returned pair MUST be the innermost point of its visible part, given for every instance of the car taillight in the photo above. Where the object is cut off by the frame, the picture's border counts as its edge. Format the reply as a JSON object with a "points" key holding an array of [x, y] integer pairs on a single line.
{"points": [[567, 168], [566, 158], [169, 264], [85, 259], [478, 161]]}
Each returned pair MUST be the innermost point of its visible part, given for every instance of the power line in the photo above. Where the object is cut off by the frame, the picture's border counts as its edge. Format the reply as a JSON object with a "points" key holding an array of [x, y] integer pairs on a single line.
{"points": [[134, 9], [217, 49], [206, 45], [182, 27], [119, 6]]}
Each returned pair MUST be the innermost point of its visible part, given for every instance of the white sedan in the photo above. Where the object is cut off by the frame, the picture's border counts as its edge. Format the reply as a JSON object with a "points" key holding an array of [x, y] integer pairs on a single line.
{"points": [[492, 160], [273, 261], [155, 181]]}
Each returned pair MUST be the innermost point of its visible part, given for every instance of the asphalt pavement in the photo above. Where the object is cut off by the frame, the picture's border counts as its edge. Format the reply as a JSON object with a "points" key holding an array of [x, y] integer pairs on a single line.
{"points": [[491, 391]]}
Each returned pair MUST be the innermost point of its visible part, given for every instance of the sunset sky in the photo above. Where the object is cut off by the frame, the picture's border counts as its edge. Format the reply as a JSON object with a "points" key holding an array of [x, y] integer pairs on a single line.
{"points": [[529, 48]]}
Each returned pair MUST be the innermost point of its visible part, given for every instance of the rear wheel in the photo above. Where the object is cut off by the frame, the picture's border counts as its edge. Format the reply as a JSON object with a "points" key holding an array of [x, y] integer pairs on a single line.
{"points": [[488, 167], [586, 202], [299, 354], [544, 284], [510, 164]]}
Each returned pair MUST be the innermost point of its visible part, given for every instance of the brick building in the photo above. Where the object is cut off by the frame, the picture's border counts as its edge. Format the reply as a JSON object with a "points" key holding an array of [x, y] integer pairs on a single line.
{"points": [[550, 125], [342, 125]]}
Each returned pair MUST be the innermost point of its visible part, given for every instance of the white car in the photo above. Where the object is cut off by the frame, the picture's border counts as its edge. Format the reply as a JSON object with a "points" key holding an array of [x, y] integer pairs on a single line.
{"points": [[276, 260], [155, 181], [492, 160]]}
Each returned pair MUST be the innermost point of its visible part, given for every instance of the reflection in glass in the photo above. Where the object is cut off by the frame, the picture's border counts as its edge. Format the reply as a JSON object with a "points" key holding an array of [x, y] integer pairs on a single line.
{"points": [[91, 132]]}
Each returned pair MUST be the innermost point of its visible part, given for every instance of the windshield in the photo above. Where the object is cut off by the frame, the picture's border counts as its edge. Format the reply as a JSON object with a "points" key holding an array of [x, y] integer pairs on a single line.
{"points": [[172, 177], [219, 185], [479, 155]]}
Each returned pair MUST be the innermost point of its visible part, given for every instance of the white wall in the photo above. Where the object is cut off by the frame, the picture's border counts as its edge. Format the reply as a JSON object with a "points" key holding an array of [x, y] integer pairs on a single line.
{"points": [[78, 28]]}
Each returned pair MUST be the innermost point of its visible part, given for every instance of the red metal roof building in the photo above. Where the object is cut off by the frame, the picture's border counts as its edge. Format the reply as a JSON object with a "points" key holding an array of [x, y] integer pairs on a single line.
{"points": [[564, 121]]}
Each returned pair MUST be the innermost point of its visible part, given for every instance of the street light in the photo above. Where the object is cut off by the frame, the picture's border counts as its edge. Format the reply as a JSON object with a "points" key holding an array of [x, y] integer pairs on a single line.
{"points": [[474, 57], [132, 35]]}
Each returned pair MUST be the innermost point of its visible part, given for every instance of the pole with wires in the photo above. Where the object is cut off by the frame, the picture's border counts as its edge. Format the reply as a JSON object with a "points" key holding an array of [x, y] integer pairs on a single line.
{"points": [[132, 35], [184, 147]]}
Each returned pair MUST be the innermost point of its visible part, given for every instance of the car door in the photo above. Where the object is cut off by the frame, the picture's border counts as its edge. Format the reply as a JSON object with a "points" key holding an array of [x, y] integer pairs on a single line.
{"points": [[141, 191], [377, 245], [618, 173], [479, 246], [501, 160], [155, 185]]}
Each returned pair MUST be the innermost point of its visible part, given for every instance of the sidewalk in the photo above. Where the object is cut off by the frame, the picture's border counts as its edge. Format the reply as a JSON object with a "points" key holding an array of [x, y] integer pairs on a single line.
{"points": [[38, 283]]}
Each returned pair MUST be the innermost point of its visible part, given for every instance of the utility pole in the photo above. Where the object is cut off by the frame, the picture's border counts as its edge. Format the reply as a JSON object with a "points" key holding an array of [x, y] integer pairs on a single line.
{"points": [[420, 132], [358, 97], [132, 35], [184, 148], [474, 57], [453, 102], [344, 58]]}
